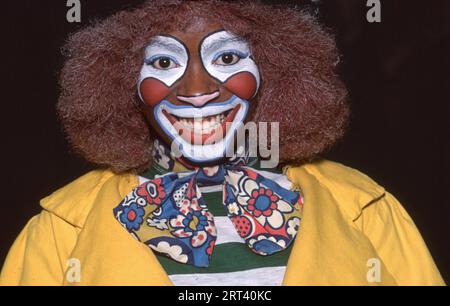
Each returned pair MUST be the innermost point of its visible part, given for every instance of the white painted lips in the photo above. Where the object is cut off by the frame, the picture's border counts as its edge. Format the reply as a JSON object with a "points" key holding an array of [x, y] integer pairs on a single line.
{"points": [[202, 134], [197, 112]]}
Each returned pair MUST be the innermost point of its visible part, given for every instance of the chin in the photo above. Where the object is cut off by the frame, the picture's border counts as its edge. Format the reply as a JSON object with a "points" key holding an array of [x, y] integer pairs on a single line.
{"points": [[202, 135]]}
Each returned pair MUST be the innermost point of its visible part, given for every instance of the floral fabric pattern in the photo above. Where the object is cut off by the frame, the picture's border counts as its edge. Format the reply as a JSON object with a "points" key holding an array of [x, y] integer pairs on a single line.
{"points": [[169, 215], [261, 210]]}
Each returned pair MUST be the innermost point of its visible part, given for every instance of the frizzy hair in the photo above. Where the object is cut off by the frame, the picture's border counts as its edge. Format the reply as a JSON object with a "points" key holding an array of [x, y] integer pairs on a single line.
{"points": [[98, 105]]}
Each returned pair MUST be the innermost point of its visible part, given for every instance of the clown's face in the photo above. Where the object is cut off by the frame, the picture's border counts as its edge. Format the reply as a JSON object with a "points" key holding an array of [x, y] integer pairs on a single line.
{"points": [[197, 88]]}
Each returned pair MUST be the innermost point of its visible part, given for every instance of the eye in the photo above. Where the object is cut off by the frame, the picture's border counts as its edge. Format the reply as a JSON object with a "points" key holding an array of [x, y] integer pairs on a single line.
{"points": [[228, 59], [163, 63]]}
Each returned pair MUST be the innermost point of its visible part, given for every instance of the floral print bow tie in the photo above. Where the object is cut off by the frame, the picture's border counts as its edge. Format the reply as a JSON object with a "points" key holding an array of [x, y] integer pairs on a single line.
{"points": [[169, 215]]}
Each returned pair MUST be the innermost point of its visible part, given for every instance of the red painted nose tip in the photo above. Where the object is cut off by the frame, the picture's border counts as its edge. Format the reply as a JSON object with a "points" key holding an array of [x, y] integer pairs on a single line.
{"points": [[199, 101]]}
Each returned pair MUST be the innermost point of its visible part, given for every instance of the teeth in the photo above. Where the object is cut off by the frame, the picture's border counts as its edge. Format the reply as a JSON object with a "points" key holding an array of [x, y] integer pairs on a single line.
{"points": [[203, 125], [198, 125]]}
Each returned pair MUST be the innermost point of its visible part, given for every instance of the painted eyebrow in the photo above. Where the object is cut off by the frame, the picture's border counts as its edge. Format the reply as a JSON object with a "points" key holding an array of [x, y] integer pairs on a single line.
{"points": [[215, 44], [165, 45]]}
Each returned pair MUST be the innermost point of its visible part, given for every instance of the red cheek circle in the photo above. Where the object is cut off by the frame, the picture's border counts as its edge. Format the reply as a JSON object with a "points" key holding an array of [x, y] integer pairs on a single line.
{"points": [[153, 91], [242, 85]]}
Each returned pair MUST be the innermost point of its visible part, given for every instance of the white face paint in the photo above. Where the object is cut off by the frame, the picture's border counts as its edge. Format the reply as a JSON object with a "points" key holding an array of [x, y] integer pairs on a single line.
{"points": [[206, 152], [225, 43], [164, 47], [223, 56]]}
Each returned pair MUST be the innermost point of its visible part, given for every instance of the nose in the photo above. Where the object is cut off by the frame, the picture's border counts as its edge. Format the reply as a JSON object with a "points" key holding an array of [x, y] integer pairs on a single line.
{"points": [[199, 101], [197, 87]]}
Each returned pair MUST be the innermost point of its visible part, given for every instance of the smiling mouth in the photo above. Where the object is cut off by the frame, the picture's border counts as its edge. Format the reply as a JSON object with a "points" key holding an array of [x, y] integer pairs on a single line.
{"points": [[203, 130]]}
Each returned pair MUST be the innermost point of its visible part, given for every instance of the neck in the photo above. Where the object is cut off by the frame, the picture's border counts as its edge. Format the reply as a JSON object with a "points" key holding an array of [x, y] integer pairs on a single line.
{"points": [[164, 162]]}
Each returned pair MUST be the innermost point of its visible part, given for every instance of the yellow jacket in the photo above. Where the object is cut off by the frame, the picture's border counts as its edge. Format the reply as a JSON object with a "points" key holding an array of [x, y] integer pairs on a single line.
{"points": [[350, 226]]}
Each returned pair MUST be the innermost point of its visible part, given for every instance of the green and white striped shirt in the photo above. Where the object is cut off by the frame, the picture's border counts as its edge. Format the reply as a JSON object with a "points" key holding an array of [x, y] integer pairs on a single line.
{"points": [[232, 263]]}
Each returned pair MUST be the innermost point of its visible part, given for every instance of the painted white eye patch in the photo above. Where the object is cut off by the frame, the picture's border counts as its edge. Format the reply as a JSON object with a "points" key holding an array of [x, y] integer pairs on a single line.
{"points": [[166, 59], [225, 55], [227, 59]]}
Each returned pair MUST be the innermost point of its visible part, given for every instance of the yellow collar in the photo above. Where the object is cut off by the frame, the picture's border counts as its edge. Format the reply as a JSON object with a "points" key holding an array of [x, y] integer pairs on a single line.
{"points": [[323, 253]]}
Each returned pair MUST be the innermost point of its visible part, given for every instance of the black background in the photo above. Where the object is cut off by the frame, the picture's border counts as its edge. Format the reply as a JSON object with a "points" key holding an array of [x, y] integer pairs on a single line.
{"points": [[394, 72]]}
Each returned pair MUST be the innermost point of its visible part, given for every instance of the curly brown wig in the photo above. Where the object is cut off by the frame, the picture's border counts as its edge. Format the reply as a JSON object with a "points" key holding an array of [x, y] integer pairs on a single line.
{"points": [[98, 105]]}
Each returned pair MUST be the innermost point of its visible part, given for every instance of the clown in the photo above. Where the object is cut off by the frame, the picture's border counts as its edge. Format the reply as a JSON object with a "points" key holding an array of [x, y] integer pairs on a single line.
{"points": [[157, 95], [198, 87]]}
